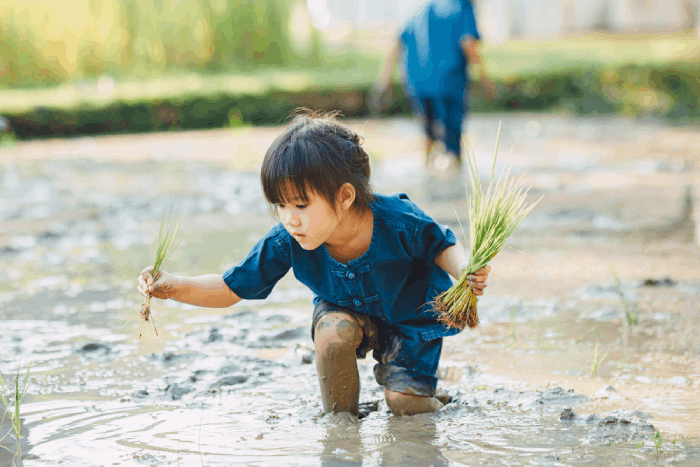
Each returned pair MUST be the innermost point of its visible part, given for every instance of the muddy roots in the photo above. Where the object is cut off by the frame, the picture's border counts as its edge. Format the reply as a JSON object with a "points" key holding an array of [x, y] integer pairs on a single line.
{"points": [[457, 311], [146, 315]]}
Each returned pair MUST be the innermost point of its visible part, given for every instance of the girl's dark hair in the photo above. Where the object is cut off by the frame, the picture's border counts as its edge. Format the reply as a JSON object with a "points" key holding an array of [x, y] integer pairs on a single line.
{"points": [[316, 153]]}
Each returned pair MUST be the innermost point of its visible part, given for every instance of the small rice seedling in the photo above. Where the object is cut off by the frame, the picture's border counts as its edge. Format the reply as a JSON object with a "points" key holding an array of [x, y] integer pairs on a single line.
{"points": [[166, 245], [12, 395], [592, 330], [512, 326], [493, 216], [659, 441], [630, 315], [597, 360]]}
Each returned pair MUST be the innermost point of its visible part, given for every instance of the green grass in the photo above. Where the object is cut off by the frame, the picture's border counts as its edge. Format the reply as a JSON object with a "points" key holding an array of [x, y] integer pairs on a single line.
{"points": [[354, 66], [630, 316], [179, 84], [597, 360], [12, 395], [595, 49]]}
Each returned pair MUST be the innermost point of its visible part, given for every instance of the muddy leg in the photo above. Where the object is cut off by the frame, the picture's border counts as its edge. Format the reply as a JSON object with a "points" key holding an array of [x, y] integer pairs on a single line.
{"points": [[336, 338], [405, 404]]}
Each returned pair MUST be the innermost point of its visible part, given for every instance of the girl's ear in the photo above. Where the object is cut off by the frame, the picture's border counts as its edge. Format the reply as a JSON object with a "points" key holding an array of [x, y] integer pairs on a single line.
{"points": [[346, 196]]}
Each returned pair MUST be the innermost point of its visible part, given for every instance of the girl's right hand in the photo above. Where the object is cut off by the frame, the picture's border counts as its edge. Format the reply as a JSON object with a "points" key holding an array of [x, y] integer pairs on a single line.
{"points": [[163, 287]]}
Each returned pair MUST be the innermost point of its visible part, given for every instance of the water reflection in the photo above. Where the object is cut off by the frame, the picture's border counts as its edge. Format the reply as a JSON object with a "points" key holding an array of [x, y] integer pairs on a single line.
{"points": [[342, 442], [382, 442], [411, 444], [9, 458], [11, 451]]}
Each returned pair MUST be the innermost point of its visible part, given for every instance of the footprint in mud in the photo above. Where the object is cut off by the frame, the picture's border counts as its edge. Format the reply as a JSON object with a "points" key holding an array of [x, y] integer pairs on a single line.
{"points": [[233, 380], [616, 426], [556, 397], [234, 334], [94, 347], [170, 357], [367, 408], [96, 351], [665, 282], [177, 390]]}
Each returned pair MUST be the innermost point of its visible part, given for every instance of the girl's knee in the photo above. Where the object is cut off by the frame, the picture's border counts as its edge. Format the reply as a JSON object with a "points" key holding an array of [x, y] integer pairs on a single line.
{"points": [[406, 404], [337, 331], [396, 400]]}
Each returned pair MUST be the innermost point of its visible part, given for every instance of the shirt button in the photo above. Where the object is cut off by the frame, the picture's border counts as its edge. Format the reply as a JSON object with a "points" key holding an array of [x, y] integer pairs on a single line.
{"points": [[351, 275], [357, 302]]}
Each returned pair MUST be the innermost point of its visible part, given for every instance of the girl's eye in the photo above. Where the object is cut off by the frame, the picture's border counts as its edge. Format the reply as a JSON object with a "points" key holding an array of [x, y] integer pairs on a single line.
{"points": [[301, 206]]}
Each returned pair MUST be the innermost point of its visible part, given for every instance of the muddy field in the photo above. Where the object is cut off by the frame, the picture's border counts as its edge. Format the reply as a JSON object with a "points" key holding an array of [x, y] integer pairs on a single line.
{"points": [[553, 377]]}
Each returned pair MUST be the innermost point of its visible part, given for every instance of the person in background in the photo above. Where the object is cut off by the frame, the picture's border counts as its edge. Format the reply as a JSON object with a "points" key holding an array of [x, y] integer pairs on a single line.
{"points": [[437, 46]]}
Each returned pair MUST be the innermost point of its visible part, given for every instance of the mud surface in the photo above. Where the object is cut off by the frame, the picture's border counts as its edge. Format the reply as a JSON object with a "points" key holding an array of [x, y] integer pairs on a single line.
{"points": [[552, 377]]}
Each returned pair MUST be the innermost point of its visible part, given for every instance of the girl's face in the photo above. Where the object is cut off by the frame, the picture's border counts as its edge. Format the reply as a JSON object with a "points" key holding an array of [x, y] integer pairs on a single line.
{"points": [[311, 224]]}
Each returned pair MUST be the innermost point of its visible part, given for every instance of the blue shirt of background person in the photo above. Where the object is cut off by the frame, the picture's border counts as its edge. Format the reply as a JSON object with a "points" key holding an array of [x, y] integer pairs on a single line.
{"points": [[434, 62], [437, 45]]}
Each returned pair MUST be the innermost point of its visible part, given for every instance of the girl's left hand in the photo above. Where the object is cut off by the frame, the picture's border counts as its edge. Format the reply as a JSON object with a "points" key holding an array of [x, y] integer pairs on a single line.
{"points": [[478, 281]]}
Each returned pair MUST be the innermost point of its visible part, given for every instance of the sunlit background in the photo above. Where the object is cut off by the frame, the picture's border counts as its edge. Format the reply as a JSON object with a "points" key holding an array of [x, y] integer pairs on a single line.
{"points": [[44, 42], [54, 42], [599, 102]]}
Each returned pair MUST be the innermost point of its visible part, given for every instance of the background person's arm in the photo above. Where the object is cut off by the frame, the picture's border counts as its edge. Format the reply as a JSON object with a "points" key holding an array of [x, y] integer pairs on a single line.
{"points": [[391, 56], [470, 47]]}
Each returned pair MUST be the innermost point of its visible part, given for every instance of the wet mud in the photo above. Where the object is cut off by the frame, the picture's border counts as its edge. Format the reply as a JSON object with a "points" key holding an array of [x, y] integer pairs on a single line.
{"points": [[552, 377]]}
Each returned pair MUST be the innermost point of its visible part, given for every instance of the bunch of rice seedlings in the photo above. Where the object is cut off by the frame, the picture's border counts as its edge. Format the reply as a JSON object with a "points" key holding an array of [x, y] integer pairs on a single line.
{"points": [[493, 216], [13, 402], [169, 223]]}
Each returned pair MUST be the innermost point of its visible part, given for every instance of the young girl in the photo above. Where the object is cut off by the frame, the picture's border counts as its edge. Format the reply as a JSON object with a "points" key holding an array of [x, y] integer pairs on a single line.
{"points": [[374, 263]]}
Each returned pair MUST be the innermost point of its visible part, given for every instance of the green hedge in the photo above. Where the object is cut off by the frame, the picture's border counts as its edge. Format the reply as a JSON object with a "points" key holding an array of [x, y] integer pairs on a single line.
{"points": [[667, 92]]}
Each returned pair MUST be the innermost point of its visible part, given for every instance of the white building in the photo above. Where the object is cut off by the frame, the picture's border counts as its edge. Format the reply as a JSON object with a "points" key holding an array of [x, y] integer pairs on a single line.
{"points": [[501, 20]]}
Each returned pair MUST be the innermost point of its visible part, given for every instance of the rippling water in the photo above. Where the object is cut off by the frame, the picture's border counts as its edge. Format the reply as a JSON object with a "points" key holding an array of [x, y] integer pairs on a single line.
{"points": [[237, 387]]}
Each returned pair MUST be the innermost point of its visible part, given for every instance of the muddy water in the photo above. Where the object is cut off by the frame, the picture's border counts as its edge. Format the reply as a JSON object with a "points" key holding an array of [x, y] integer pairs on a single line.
{"points": [[238, 387]]}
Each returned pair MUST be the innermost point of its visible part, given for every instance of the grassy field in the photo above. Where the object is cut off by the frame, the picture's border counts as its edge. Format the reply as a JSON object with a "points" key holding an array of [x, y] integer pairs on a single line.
{"points": [[106, 91], [594, 49], [504, 61]]}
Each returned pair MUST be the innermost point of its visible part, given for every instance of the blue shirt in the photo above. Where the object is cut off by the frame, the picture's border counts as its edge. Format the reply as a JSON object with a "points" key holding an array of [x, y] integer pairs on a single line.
{"points": [[394, 280], [434, 63]]}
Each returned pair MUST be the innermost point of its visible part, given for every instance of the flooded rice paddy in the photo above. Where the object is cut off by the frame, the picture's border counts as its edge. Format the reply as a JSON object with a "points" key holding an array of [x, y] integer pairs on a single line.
{"points": [[553, 377]]}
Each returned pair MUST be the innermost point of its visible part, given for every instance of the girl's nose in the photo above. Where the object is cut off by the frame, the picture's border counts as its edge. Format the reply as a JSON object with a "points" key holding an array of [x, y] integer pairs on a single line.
{"points": [[291, 219]]}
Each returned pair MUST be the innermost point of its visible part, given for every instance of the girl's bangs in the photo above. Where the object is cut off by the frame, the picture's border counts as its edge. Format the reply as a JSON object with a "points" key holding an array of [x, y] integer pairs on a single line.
{"points": [[282, 184]]}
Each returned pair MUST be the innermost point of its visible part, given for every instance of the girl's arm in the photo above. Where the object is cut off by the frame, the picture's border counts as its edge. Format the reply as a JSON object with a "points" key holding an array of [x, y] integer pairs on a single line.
{"points": [[454, 260], [209, 290]]}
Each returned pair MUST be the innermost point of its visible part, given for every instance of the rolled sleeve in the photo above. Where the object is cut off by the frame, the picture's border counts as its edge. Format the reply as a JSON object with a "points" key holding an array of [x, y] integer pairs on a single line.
{"points": [[429, 239], [266, 263]]}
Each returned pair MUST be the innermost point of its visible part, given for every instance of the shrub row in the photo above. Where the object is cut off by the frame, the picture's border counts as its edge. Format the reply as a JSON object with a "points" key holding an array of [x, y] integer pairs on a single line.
{"points": [[670, 93]]}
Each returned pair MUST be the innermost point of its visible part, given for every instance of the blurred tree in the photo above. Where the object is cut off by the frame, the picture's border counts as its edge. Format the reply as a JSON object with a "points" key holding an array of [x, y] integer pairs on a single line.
{"points": [[53, 41]]}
